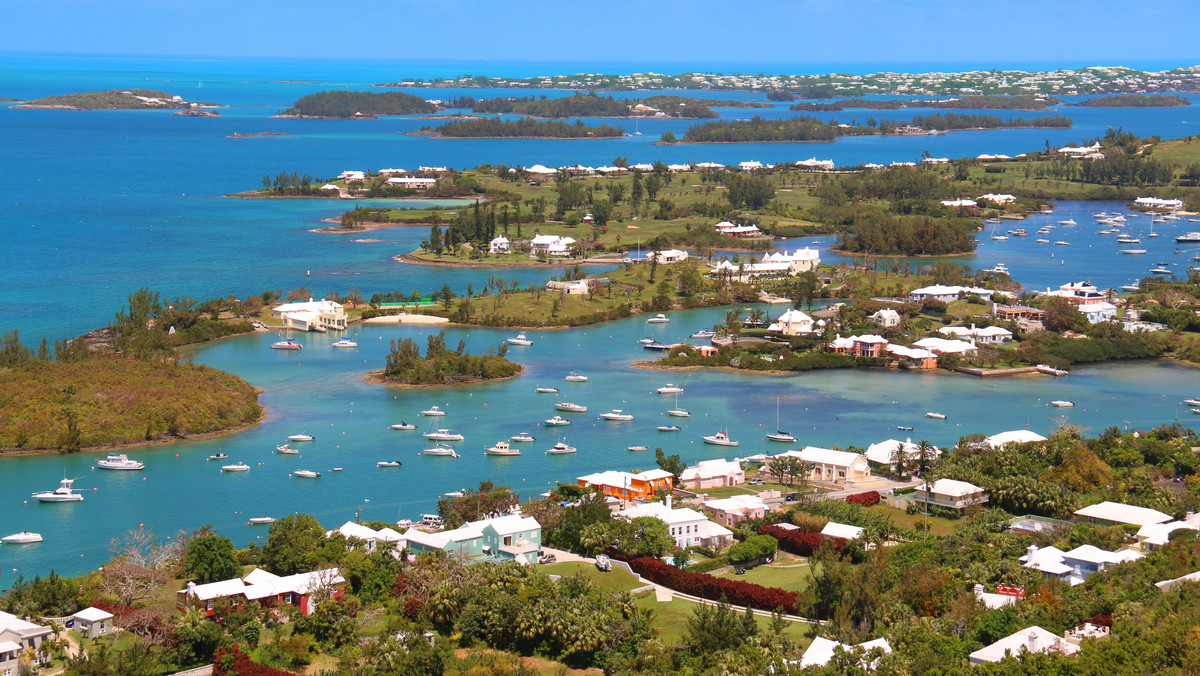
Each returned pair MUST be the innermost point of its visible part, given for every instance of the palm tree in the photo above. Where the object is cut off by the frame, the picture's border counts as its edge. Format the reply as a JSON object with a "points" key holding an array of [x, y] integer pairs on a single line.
{"points": [[899, 458], [926, 454]]}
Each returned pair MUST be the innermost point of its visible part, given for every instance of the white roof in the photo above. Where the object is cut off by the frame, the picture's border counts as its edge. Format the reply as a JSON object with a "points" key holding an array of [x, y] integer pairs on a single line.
{"points": [[881, 452], [1032, 639], [617, 478], [792, 316], [1102, 306], [308, 306], [909, 352], [220, 589], [10, 622], [1167, 585], [541, 169], [958, 203], [1121, 513], [9, 646], [825, 456], [663, 513], [508, 524], [952, 488], [736, 503], [1159, 534], [841, 530], [1013, 437], [653, 474], [93, 614], [820, 651], [707, 469], [885, 313], [1046, 559], [945, 346]]}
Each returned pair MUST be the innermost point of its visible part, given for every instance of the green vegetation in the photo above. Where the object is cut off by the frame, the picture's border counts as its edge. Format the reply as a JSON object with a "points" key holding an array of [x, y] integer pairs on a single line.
{"points": [[965, 103], [343, 104], [116, 99], [805, 128], [441, 366], [594, 105], [1135, 101], [522, 128]]}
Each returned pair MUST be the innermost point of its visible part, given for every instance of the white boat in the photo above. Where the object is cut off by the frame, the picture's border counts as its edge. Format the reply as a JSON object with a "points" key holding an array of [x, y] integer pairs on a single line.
{"points": [[1193, 237], [64, 493], [679, 413], [501, 448], [1000, 238], [1062, 243], [904, 428], [703, 333], [443, 434], [570, 406], [301, 437], [1069, 221], [433, 411], [119, 461], [658, 319], [23, 538], [522, 437], [287, 450], [1192, 402], [545, 390], [561, 448], [1062, 403], [520, 339], [617, 415], [1171, 217], [345, 342], [1042, 241], [646, 341], [669, 428], [287, 344], [719, 439], [997, 269], [669, 388], [1133, 252], [1130, 287], [935, 416], [388, 463], [218, 456], [637, 447], [335, 469], [307, 474], [440, 449], [404, 426], [1160, 271], [260, 520], [779, 434], [1120, 219], [1195, 410], [556, 421], [236, 467], [1050, 370], [574, 377], [1126, 239]]}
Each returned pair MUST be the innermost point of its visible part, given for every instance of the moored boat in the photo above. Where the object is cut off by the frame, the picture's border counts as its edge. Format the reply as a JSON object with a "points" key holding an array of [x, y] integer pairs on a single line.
{"points": [[307, 474], [443, 434], [388, 463], [286, 344], [617, 415], [669, 388], [561, 448], [570, 407], [556, 421], [345, 342], [637, 447], [1192, 402], [433, 411], [935, 416], [64, 493], [658, 319], [574, 377], [404, 426], [779, 435], [23, 538], [545, 390], [520, 339], [260, 520], [287, 450], [236, 467], [522, 437], [218, 456], [501, 448], [669, 428], [703, 333], [301, 437], [719, 439], [1062, 403], [440, 449], [119, 461]]}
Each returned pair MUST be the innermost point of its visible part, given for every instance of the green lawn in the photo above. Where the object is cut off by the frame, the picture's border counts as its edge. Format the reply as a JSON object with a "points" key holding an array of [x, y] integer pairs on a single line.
{"points": [[937, 525], [617, 579], [791, 579], [671, 620]]}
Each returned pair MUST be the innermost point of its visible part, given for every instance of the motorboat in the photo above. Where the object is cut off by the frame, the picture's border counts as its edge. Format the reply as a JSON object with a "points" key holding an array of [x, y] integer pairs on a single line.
{"points": [[522, 437], [286, 449], [520, 339], [23, 538], [301, 437], [1051, 371], [1130, 287], [1062, 243], [659, 318], [404, 523], [1195, 410], [1019, 232], [1000, 238], [703, 333], [545, 390], [236, 467], [335, 469], [433, 411], [1069, 221], [669, 428], [345, 342], [904, 428], [1062, 403], [719, 439], [617, 415], [997, 269], [669, 388], [64, 493], [574, 377], [218, 456], [1192, 402], [660, 347], [646, 341], [501, 448], [556, 421], [404, 426], [1127, 239], [637, 447], [1042, 241], [1160, 271], [935, 416], [779, 435], [561, 448], [443, 434], [260, 520], [440, 449], [306, 474], [570, 407], [1193, 237], [119, 461], [388, 463], [1133, 252], [287, 344]]}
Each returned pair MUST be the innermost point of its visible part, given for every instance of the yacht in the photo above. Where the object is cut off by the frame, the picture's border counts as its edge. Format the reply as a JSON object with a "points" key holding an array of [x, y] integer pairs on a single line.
{"points": [[998, 269], [659, 318], [556, 421], [545, 390], [119, 461], [1069, 221], [617, 415], [301, 437], [669, 428], [1062, 403], [443, 434], [440, 449], [719, 439], [1133, 251], [647, 340], [935, 416], [1192, 237], [404, 426], [218, 456], [520, 339], [64, 493], [260, 520], [345, 342], [23, 538], [501, 448], [637, 447], [669, 388], [287, 449], [561, 448], [287, 344], [1019, 232], [1170, 217], [1119, 218], [574, 377], [307, 474], [1160, 271], [1192, 402], [1062, 243], [433, 411], [522, 437], [236, 467], [570, 407], [661, 347], [388, 463], [1042, 241], [1128, 239], [1130, 287], [703, 333]]}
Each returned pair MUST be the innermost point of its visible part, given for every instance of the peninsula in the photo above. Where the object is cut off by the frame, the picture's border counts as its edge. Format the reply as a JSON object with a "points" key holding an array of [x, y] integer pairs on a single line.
{"points": [[594, 105], [352, 105], [1135, 101], [494, 127], [806, 128], [115, 99]]}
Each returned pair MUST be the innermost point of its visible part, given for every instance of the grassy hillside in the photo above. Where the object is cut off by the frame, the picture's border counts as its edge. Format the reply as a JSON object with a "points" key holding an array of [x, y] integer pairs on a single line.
{"points": [[114, 99]]}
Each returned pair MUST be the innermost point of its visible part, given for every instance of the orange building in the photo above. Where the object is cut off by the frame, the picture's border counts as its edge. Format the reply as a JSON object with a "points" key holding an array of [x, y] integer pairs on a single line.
{"points": [[627, 485]]}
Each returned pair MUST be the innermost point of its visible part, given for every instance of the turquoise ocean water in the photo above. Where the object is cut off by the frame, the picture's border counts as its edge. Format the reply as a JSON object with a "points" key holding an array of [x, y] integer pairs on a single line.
{"points": [[99, 204]]}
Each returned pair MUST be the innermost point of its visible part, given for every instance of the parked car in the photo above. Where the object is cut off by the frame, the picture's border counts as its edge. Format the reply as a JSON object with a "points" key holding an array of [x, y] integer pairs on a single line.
{"points": [[756, 481], [547, 558], [603, 563], [791, 497]]}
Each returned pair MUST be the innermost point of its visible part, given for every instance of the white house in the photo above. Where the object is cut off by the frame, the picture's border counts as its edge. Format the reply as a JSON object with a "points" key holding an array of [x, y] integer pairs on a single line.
{"points": [[1158, 203], [669, 256], [1013, 437], [999, 198], [90, 622], [412, 182], [713, 474], [551, 245], [1101, 311], [814, 163], [951, 494], [312, 315], [881, 453], [959, 203], [947, 294], [1077, 292], [750, 166], [686, 526], [541, 170], [940, 346], [499, 245], [779, 263], [1032, 639], [1155, 535], [1115, 513], [841, 530], [792, 323], [734, 230], [351, 175], [17, 636], [821, 651], [369, 537], [839, 467], [1075, 566], [735, 509], [988, 335], [886, 317]]}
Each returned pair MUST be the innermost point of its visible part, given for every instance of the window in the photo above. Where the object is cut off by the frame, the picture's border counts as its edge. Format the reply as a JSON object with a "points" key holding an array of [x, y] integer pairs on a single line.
{"points": [[507, 540]]}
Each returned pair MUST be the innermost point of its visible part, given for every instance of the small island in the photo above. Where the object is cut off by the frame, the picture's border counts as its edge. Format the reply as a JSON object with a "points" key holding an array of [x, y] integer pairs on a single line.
{"points": [[351, 105], [523, 128], [594, 105], [807, 128], [964, 103], [1135, 101], [114, 99], [441, 366]]}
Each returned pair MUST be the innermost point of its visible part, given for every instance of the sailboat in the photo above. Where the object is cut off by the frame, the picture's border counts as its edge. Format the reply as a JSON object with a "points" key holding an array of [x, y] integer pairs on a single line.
{"points": [[779, 434], [636, 129], [287, 343], [995, 236], [679, 412]]}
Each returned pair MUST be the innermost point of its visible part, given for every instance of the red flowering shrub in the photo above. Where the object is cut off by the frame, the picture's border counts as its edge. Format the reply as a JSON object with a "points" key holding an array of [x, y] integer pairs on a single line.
{"points": [[799, 542], [868, 499], [705, 586], [233, 662]]}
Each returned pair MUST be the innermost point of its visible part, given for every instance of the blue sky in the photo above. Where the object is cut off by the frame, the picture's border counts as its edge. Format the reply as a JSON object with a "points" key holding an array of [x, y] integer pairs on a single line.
{"points": [[1080, 32]]}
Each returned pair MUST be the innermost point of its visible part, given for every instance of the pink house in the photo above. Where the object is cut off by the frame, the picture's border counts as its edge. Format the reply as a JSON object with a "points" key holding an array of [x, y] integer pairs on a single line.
{"points": [[713, 474], [734, 510]]}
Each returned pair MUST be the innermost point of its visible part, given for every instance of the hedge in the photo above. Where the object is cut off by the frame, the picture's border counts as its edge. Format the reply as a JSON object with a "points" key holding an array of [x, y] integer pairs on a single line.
{"points": [[735, 592], [233, 662], [868, 499], [799, 542]]}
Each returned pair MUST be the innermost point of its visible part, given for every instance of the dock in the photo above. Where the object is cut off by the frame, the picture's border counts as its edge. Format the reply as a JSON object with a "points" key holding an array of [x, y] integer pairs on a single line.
{"points": [[987, 373]]}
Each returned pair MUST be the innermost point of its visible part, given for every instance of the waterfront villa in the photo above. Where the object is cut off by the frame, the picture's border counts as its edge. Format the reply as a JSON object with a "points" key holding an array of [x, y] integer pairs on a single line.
{"points": [[412, 183], [988, 335], [627, 485], [959, 204], [1031, 639], [551, 245], [951, 494], [686, 526], [499, 245], [669, 256], [1013, 437], [999, 198], [733, 510], [370, 539], [1116, 513], [266, 588], [860, 346], [733, 230], [887, 318], [835, 467], [881, 453], [947, 294], [352, 175], [1158, 203], [814, 163], [18, 636], [941, 346], [792, 323], [1101, 311], [1075, 566], [504, 538], [1077, 293], [912, 357], [313, 315], [713, 474]]}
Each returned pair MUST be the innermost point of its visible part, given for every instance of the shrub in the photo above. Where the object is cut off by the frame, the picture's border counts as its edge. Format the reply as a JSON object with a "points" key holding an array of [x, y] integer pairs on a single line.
{"points": [[713, 588], [755, 548], [868, 499], [233, 662], [801, 543]]}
